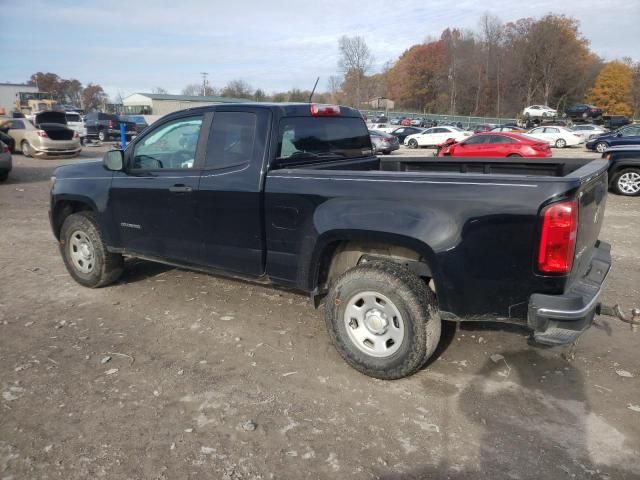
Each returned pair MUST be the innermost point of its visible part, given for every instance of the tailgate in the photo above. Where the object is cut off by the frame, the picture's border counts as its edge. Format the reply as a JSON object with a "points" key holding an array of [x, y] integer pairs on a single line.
{"points": [[592, 197]]}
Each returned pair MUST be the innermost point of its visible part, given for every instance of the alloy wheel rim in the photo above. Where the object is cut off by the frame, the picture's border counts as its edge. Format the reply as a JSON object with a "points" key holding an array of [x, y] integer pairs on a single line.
{"points": [[374, 324], [82, 252], [629, 182]]}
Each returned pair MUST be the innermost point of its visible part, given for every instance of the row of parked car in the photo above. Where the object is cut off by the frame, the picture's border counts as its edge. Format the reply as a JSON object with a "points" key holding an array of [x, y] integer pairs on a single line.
{"points": [[59, 133]]}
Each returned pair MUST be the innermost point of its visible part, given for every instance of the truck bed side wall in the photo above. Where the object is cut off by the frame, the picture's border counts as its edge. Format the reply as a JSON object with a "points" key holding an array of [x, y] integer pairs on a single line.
{"points": [[477, 236]]}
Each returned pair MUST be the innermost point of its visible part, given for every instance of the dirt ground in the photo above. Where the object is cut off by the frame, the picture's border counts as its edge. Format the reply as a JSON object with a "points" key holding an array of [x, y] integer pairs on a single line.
{"points": [[173, 374]]}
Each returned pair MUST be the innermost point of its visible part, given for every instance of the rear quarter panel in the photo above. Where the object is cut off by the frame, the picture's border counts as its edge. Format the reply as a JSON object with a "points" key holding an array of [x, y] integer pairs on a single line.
{"points": [[478, 235]]}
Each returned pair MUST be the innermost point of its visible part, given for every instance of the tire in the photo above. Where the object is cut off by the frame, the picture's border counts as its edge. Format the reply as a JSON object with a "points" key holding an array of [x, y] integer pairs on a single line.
{"points": [[514, 155], [393, 300], [25, 148], [413, 143], [4, 176], [85, 254], [627, 182], [385, 152], [561, 143], [102, 136], [601, 147]]}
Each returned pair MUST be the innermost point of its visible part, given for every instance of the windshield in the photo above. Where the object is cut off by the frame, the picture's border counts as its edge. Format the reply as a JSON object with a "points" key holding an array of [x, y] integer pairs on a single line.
{"points": [[322, 137]]}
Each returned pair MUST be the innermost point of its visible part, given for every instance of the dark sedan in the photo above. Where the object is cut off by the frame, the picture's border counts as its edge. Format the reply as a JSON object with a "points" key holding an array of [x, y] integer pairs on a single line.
{"points": [[625, 136], [583, 111], [403, 132]]}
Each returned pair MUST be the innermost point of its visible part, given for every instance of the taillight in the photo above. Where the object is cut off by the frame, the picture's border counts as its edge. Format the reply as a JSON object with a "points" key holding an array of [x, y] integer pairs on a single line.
{"points": [[42, 133], [5, 149], [76, 135], [320, 110], [558, 237], [110, 124]]}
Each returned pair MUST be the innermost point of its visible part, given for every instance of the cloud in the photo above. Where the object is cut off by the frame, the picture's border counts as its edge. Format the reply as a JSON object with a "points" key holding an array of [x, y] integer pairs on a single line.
{"points": [[137, 45]]}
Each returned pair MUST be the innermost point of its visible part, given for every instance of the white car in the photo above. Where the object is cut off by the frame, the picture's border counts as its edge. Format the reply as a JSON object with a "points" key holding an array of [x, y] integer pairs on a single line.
{"points": [[559, 137], [434, 136], [75, 122], [382, 127], [587, 132], [538, 111]]}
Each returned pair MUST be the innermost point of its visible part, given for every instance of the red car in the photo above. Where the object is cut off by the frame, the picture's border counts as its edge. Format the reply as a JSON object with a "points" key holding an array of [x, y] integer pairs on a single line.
{"points": [[496, 144]]}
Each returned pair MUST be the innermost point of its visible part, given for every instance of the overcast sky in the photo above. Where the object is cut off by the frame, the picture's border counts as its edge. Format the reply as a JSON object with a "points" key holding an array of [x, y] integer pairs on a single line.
{"points": [[136, 45]]}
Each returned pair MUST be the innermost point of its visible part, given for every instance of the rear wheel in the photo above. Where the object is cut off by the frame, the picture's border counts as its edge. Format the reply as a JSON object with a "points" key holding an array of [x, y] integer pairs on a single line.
{"points": [[413, 143], [383, 319], [627, 182], [601, 147], [85, 254], [514, 155], [102, 136], [561, 143], [26, 148], [4, 176]]}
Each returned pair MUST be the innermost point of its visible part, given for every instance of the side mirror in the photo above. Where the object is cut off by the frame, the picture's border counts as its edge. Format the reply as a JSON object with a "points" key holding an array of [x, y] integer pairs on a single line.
{"points": [[113, 160]]}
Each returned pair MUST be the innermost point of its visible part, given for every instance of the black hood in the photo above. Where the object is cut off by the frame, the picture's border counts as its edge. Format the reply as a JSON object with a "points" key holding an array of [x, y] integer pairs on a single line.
{"points": [[92, 168], [50, 117]]}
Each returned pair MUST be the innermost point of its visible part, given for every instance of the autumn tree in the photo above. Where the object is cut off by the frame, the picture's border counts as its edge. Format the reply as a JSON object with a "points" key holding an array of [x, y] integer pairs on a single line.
{"points": [[93, 97], [613, 89], [417, 78], [61, 89]]}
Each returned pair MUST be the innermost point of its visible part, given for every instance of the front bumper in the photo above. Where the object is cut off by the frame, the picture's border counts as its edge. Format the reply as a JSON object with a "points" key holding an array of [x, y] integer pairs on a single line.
{"points": [[561, 319]]}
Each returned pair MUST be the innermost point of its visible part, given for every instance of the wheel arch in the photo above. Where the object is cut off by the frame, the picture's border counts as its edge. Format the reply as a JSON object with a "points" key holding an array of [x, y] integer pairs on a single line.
{"points": [[68, 205], [337, 251]]}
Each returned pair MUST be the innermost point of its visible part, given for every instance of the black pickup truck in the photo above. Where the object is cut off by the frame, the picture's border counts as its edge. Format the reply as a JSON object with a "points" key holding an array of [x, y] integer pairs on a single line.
{"points": [[106, 126], [292, 195]]}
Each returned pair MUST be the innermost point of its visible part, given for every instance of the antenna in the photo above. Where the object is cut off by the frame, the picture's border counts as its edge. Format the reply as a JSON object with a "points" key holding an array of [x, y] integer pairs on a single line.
{"points": [[314, 89], [204, 83]]}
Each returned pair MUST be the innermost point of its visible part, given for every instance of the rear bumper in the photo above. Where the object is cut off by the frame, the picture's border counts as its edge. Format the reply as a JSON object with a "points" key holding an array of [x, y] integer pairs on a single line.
{"points": [[561, 319]]}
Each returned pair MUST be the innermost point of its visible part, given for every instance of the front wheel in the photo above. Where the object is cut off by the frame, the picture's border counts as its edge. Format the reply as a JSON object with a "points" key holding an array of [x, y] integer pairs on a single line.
{"points": [[413, 143], [4, 176], [383, 319], [601, 147], [627, 182], [561, 143], [514, 155], [85, 254]]}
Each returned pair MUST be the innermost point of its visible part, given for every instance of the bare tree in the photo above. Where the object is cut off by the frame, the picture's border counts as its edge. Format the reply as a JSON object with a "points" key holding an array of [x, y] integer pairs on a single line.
{"points": [[195, 90], [355, 61], [237, 89], [159, 90]]}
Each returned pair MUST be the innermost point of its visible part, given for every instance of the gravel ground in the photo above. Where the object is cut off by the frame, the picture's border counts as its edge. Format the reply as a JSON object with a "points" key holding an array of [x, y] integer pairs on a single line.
{"points": [[174, 374]]}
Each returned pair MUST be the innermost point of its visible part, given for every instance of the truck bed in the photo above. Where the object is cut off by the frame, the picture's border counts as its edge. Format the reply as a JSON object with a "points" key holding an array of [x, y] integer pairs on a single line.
{"points": [[476, 222], [548, 167]]}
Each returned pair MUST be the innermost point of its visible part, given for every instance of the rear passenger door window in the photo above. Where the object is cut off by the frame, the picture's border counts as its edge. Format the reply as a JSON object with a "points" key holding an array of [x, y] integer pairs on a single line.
{"points": [[231, 142]]}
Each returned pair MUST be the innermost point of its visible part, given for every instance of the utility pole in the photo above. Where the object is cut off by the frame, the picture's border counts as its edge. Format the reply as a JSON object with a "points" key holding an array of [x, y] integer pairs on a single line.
{"points": [[204, 83]]}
